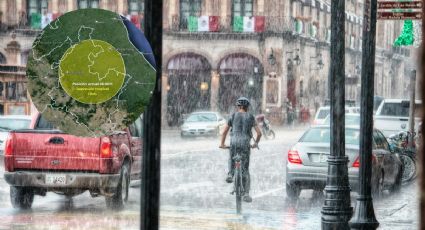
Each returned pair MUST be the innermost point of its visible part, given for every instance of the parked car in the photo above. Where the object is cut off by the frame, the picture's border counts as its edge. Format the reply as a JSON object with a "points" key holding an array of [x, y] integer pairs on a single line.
{"points": [[324, 111], [307, 167], [203, 124], [392, 116], [351, 119], [43, 159], [12, 122]]}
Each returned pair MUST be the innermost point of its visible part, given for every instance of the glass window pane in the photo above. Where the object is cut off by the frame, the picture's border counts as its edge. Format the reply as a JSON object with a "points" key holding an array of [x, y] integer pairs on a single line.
{"points": [[94, 4], [82, 4]]}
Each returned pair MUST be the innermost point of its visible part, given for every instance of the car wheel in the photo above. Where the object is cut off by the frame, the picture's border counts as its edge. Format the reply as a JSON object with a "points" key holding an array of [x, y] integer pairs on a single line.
{"points": [[120, 198], [409, 167], [217, 132], [397, 184], [293, 191], [21, 197], [379, 187]]}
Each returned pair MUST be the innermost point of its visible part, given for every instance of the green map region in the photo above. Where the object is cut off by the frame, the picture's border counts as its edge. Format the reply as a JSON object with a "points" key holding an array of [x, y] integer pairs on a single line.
{"points": [[83, 75], [86, 76]]}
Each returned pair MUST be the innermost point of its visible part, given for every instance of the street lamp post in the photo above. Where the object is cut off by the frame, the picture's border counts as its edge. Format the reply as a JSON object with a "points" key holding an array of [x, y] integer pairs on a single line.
{"points": [[149, 201], [364, 216], [337, 210]]}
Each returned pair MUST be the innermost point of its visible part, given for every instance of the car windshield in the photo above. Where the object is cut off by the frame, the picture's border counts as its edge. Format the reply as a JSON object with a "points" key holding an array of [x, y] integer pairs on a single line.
{"points": [[322, 135], [323, 113], [397, 109], [11, 124], [349, 120], [202, 117]]}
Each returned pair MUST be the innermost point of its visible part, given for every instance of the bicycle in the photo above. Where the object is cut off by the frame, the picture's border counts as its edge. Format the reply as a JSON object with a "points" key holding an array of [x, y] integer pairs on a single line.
{"points": [[238, 188], [400, 143]]}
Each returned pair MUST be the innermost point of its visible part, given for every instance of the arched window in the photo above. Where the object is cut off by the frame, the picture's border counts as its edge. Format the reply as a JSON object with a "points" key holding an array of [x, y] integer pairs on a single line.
{"points": [[242, 8], [84, 4], [2, 59], [37, 6], [301, 88], [189, 8], [135, 6]]}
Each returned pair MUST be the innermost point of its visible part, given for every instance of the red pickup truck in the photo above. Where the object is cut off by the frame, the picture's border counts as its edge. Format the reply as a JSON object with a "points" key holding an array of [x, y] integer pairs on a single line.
{"points": [[43, 159]]}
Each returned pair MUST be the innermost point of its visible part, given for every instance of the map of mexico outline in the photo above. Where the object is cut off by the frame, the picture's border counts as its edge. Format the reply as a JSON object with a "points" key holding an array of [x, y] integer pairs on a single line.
{"points": [[91, 72]]}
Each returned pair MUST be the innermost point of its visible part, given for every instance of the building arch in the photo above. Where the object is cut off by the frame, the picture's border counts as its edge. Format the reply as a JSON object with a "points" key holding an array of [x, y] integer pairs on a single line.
{"points": [[188, 86], [228, 52], [172, 54], [241, 74], [3, 59]]}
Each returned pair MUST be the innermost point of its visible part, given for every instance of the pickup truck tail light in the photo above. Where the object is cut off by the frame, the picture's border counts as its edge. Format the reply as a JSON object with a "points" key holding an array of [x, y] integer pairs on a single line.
{"points": [[105, 147], [294, 157], [8, 149]]}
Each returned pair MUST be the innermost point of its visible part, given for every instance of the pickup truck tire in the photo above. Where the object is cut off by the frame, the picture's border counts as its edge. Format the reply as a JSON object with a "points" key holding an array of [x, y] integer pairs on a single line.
{"points": [[21, 197], [118, 200]]}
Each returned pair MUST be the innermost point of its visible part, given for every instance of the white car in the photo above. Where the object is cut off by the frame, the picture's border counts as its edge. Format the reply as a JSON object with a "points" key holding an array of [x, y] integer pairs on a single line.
{"points": [[392, 116], [203, 124], [323, 113], [11, 122]]}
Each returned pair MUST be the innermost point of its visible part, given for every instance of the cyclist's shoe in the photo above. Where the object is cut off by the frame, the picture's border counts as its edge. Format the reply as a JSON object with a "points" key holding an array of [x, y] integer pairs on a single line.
{"points": [[247, 198], [229, 179]]}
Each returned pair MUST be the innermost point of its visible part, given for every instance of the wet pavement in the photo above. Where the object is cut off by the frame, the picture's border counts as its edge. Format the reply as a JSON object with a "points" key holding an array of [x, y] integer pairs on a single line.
{"points": [[194, 195]]}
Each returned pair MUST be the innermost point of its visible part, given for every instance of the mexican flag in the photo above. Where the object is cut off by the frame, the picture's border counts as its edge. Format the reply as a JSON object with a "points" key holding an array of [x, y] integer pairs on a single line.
{"points": [[249, 24], [35, 19], [203, 24]]}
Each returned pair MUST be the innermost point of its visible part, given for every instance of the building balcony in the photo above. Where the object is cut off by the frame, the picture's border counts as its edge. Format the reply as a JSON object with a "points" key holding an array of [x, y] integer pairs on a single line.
{"points": [[229, 29], [12, 70]]}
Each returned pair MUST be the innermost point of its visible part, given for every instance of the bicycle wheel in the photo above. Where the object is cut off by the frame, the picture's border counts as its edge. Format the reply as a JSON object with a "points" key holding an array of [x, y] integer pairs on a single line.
{"points": [[238, 190], [409, 167], [271, 134]]}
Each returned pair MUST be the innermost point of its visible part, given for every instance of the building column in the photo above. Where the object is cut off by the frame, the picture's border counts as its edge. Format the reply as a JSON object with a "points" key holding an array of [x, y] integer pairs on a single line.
{"points": [[120, 7], [13, 49], [173, 15], [3, 10], [72, 5], [164, 90], [215, 84], [55, 7]]}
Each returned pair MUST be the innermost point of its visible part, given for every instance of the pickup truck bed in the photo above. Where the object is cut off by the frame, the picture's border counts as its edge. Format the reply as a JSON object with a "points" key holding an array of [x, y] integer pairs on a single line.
{"points": [[41, 160]]}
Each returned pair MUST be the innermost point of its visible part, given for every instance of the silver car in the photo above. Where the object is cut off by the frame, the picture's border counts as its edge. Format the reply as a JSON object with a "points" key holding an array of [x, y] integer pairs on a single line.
{"points": [[11, 122], [307, 167], [203, 124]]}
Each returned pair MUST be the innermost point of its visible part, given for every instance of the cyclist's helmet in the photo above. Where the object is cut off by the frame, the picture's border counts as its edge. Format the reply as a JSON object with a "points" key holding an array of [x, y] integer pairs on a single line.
{"points": [[242, 101]]}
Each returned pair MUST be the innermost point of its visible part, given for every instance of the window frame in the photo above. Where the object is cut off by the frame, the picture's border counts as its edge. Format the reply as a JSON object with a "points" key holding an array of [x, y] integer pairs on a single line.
{"points": [[243, 8], [140, 7], [89, 4], [39, 7], [192, 11]]}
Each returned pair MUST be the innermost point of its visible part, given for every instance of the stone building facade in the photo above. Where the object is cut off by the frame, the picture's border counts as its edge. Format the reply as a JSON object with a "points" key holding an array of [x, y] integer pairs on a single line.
{"points": [[287, 61]]}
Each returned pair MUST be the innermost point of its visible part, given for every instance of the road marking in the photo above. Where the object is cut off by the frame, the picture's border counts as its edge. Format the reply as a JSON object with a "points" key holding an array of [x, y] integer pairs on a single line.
{"points": [[267, 192], [189, 186]]}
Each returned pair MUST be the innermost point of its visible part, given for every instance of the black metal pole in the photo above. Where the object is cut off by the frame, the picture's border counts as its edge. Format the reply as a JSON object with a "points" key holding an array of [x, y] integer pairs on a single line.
{"points": [[412, 107], [364, 215], [150, 186], [337, 210]]}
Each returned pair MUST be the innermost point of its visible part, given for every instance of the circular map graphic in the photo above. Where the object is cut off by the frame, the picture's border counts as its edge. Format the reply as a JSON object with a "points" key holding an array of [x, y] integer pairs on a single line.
{"points": [[83, 75], [91, 72]]}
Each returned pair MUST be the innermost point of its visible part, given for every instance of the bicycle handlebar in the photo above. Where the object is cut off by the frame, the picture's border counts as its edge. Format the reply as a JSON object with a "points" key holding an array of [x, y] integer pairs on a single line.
{"points": [[228, 147]]}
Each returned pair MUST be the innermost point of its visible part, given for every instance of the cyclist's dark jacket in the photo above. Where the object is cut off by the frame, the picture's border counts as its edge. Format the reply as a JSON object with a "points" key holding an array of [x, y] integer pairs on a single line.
{"points": [[241, 129]]}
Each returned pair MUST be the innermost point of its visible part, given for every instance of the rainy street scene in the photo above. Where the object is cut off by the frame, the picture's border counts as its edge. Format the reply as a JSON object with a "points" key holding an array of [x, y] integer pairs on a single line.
{"points": [[262, 114]]}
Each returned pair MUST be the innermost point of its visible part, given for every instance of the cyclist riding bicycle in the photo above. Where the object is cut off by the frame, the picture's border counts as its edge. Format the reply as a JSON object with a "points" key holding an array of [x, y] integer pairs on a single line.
{"points": [[240, 125]]}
